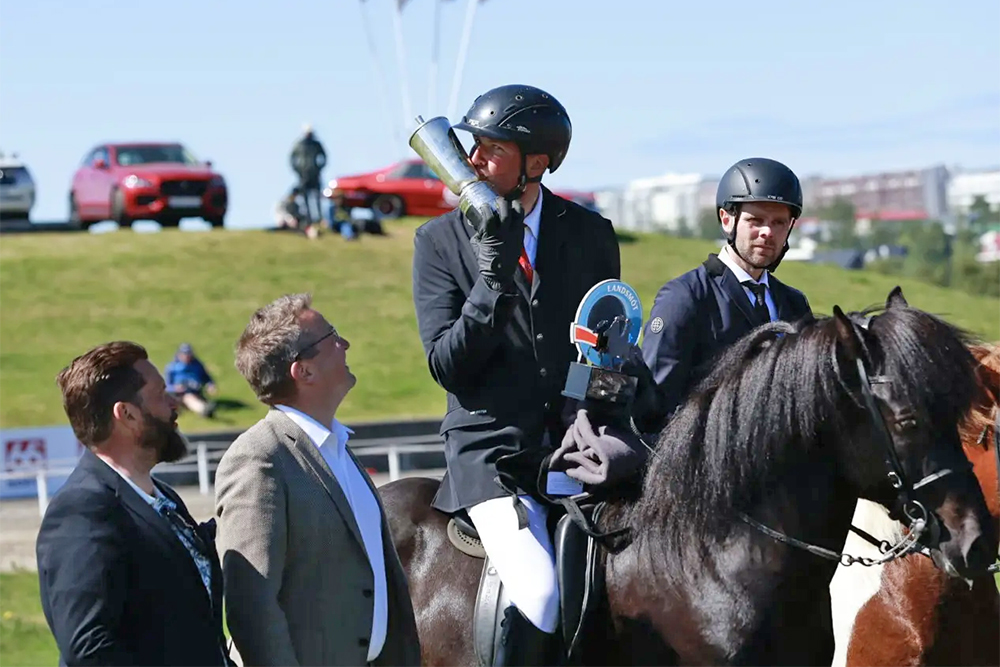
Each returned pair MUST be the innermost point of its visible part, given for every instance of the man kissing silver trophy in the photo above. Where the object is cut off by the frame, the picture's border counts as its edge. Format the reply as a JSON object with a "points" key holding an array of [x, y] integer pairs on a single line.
{"points": [[609, 382], [438, 146]]}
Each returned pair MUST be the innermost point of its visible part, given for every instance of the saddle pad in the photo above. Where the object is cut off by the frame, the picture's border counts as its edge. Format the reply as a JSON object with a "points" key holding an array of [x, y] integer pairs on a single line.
{"points": [[465, 543]]}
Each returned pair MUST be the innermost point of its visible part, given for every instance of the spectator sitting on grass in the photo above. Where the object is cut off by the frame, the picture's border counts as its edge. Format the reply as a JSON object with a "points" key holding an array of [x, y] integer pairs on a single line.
{"points": [[188, 381], [289, 215]]}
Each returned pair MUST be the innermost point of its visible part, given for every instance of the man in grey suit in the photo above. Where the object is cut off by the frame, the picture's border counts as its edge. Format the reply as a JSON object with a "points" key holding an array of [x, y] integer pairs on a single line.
{"points": [[311, 573]]}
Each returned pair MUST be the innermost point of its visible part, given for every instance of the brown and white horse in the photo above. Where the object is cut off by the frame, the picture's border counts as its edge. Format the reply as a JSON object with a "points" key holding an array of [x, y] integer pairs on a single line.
{"points": [[908, 612]]}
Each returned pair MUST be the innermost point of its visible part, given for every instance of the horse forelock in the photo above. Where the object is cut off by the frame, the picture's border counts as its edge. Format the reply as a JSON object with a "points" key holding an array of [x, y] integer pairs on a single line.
{"points": [[930, 363]]}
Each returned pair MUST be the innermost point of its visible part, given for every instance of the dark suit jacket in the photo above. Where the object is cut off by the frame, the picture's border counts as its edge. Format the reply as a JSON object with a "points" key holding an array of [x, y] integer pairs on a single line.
{"points": [[299, 585], [698, 315], [117, 585], [503, 358]]}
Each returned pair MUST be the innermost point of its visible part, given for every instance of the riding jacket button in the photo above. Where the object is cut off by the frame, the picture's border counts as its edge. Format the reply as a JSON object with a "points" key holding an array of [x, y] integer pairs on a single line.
{"points": [[367, 592], [534, 303], [363, 642], [543, 372], [539, 337], [547, 405]]}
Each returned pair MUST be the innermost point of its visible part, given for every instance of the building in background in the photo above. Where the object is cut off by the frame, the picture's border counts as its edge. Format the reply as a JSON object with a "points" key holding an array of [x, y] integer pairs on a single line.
{"points": [[965, 186], [919, 194], [669, 203], [672, 203]]}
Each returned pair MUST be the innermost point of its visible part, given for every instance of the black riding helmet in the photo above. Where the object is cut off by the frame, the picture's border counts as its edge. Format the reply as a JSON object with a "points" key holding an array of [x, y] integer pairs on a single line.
{"points": [[758, 180], [527, 116]]}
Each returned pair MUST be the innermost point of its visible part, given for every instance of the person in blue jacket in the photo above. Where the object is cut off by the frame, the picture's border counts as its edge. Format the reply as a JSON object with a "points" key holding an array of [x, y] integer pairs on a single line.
{"points": [[696, 316], [188, 381]]}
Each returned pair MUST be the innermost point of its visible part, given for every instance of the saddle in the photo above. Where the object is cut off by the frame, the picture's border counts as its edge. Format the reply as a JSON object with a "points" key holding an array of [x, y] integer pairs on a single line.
{"points": [[578, 570]]}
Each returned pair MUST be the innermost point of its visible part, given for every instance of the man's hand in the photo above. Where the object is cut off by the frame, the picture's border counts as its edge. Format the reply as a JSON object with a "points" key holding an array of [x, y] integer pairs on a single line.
{"points": [[498, 241], [599, 456]]}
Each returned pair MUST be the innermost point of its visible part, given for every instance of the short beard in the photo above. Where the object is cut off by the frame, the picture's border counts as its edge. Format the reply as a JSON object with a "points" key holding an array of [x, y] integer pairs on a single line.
{"points": [[745, 256], [163, 438]]}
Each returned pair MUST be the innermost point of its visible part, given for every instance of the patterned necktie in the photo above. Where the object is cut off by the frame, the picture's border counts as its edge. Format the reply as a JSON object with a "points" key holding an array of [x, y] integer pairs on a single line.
{"points": [[189, 537], [529, 271], [759, 304], [195, 545]]}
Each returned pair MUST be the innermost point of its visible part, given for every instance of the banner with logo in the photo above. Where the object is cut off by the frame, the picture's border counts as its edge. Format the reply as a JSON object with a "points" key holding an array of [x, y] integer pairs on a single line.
{"points": [[27, 450]]}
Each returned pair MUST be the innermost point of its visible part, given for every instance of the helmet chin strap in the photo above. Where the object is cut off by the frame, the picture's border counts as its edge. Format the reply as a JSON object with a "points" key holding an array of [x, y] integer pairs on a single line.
{"points": [[731, 237], [774, 265], [523, 179]]}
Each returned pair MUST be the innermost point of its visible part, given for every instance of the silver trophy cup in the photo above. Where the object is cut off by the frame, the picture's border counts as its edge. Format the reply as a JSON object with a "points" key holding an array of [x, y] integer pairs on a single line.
{"points": [[436, 144]]}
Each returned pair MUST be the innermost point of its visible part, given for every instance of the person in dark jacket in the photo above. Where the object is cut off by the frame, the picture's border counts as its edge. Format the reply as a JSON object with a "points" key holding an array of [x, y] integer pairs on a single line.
{"points": [[494, 301], [699, 314], [127, 577], [308, 160]]}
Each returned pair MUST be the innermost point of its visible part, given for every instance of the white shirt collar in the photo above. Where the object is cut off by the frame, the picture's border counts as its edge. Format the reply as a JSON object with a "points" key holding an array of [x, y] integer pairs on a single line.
{"points": [[316, 431], [738, 271], [142, 494], [534, 219]]}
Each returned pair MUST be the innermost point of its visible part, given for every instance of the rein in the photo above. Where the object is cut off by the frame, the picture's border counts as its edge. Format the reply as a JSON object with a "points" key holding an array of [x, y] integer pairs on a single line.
{"points": [[909, 543]]}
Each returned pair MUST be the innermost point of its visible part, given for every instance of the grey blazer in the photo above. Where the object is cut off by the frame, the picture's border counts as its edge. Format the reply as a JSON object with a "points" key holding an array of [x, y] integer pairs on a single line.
{"points": [[298, 585]]}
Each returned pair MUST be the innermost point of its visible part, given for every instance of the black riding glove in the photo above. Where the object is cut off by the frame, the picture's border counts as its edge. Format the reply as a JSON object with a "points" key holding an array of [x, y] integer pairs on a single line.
{"points": [[498, 241]]}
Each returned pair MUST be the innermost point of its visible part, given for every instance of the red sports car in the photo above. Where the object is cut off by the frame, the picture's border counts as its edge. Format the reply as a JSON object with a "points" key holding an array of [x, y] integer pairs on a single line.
{"points": [[406, 188], [146, 181]]}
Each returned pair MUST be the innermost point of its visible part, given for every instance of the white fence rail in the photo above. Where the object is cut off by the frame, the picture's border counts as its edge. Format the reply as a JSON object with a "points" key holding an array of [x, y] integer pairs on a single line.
{"points": [[206, 457]]}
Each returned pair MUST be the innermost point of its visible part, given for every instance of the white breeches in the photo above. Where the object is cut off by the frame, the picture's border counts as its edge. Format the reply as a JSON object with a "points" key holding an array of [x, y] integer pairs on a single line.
{"points": [[524, 559]]}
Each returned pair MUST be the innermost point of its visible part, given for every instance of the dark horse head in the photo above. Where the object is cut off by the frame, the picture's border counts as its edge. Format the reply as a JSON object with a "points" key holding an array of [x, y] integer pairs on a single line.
{"points": [[790, 393]]}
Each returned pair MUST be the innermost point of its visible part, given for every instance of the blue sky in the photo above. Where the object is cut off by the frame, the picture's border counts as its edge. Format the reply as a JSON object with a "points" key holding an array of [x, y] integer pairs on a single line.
{"points": [[651, 86]]}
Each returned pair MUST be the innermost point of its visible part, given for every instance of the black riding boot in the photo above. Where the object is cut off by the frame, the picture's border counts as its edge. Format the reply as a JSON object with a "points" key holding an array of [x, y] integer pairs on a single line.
{"points": [[521, 644]]}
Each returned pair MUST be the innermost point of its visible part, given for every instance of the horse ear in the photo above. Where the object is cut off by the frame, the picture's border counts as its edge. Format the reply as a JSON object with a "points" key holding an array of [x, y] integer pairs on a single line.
{"points": [[847, 334], [896, 299]]}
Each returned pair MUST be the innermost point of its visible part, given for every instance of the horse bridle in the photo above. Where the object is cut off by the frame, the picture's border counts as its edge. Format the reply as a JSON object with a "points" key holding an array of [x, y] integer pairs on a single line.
{"points": [[920, 520]]}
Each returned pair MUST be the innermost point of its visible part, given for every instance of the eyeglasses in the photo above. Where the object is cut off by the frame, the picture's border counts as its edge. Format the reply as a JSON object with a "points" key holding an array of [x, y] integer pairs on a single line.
{"points": [[331, 332]]}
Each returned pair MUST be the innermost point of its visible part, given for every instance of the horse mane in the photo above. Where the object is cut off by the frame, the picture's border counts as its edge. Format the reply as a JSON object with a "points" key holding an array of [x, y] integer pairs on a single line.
{"points": [[980, 420], [765, 406]]}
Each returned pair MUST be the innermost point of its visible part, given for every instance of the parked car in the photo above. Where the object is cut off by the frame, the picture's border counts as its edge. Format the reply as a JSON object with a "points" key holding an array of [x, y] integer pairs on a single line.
{"points": [[407, 188], [17, 188], [164, 182], [404, 188]]}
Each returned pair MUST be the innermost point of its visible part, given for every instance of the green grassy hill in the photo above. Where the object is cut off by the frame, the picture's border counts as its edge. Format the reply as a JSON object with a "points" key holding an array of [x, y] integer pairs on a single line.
{"points": [[63, 293]]}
